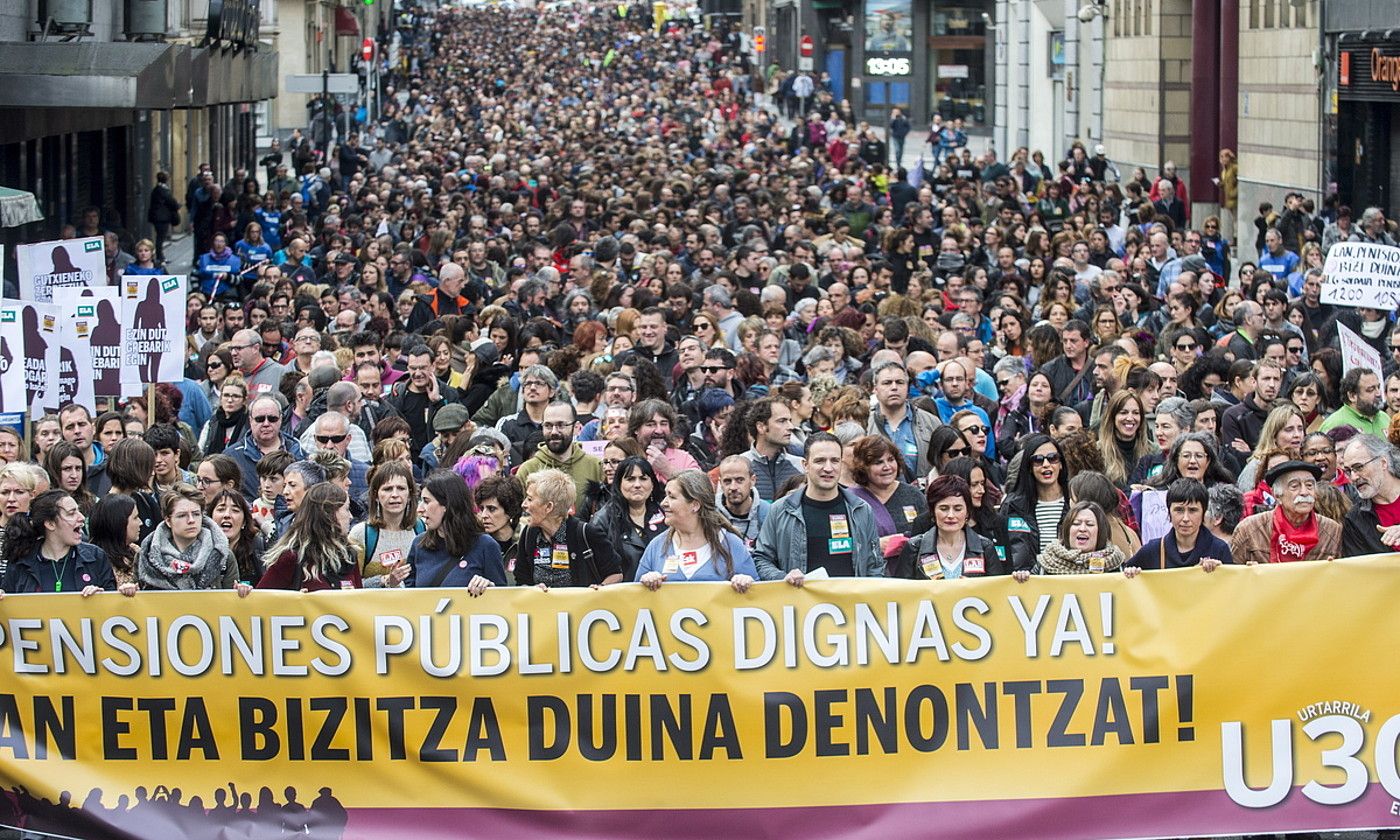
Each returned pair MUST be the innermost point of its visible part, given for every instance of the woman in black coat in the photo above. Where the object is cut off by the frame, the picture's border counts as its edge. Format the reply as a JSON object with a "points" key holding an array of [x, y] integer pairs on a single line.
{"points": [[1042, 487], [632, 516]]}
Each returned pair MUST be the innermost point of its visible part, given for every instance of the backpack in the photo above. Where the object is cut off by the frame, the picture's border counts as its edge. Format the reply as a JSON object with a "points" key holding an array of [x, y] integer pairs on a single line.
{"points": [[372, 537]]}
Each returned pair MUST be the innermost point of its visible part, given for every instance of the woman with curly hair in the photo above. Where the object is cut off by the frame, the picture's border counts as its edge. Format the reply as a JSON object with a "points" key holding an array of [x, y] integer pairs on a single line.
{"points": [[846, 346], [1045, 344]]}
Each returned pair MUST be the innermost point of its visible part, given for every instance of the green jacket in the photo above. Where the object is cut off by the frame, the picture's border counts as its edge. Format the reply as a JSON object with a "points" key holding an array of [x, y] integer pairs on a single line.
{"points": [[581, 467]]}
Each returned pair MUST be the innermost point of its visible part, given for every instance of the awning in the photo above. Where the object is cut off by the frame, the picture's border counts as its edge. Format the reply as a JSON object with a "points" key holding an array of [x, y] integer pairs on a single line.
{"points": [[345, 22], [18, 207]]}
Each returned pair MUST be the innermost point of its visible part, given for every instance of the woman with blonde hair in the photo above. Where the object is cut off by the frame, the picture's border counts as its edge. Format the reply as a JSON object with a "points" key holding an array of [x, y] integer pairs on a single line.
{"points": [[557, 549], [1284, 430]]}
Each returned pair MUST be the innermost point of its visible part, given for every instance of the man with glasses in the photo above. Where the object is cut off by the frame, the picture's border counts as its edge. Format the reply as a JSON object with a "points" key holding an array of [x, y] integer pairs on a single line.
{"points": [[1372, 465], [262, 375], [619, 391], [538, 385], [305, 344], [719, 371], [343, 398], [559, 451], [264, 436], [331, 433]]}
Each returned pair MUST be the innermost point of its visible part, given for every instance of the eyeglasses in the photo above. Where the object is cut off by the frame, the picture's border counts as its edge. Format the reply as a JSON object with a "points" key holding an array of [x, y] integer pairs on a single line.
{"points": [[266, 418], [713, 368], [243, 346], [1052, 458], [1003, 384], [1356, 468], [330, 438], [205, 482], [1318, 453], [534, 383]]}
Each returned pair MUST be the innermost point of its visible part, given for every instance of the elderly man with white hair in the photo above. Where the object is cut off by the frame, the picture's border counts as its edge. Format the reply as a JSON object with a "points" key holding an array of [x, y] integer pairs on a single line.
{"points": [[1293, 530], [1372, 465]]}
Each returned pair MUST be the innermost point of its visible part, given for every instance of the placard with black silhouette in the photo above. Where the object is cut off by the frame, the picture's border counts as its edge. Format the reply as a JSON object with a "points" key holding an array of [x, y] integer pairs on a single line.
{"points": [[76, 361], [38, 327], [153, 328], [63, 263], [12, 368], [97, 314]]}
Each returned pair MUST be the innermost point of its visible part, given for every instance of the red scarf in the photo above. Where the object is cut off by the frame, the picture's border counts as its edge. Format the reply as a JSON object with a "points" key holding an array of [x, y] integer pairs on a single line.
{"points": [[1289, 543]]}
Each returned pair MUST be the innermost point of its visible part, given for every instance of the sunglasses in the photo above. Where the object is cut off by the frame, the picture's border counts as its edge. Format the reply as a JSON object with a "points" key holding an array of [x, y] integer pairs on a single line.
{"points": [[1296, 349], [956, 453], [977, 430], [330, 438], [1052, 458], [220, 365], [713, 368], [266, 418], [1192, 346]]}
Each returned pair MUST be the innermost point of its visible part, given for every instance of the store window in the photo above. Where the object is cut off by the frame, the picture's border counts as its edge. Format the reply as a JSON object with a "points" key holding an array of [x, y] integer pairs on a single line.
{"points": [[958, 63]]}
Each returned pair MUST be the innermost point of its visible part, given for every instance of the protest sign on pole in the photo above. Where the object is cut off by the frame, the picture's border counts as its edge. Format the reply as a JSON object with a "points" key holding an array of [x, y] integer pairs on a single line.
{"points": [[77, 319], [38, 326], [1362, 274], [1356, 353], [153, 329], [46, 266], [97, 314], [12, 367]]}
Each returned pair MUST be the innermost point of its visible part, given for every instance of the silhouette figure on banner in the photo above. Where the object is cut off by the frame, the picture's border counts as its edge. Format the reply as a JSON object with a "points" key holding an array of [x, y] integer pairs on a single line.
{"points": [[6, 359], [62, 264], [35, 347], [106, 343], [150, 318], [166, 812]]}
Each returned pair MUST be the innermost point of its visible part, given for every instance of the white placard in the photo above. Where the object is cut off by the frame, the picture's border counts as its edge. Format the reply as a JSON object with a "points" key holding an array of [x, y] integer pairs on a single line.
{"points": [[38, 326], [1156, 521], [96, 314], [1362, 274], [153, 328], [12, 394], [1356, 353], [46, 266]]}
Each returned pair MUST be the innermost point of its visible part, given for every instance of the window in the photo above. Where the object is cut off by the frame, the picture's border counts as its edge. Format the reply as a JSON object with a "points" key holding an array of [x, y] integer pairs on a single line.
{"points": [[1269, 13], [1147, 17]]}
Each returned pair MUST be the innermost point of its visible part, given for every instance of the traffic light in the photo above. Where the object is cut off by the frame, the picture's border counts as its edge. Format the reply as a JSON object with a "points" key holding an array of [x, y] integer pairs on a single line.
{"points": [[760, 38]]}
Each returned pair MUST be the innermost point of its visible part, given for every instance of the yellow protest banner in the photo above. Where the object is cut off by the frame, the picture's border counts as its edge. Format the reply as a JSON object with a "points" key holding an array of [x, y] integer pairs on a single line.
{"points": [[1176, 704]]}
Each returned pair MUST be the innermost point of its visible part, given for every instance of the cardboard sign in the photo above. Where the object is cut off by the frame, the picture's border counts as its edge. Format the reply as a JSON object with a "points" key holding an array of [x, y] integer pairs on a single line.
{"points": [[1362, 274], [97, 322], [77, 321], [1156, 520], [1356, 353], [153, 328], [38, 335], [64, 263]]}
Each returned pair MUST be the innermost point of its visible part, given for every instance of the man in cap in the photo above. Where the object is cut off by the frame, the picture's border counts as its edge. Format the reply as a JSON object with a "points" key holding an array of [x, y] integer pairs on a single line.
{"points": [[1293, 530], [447, 424]]}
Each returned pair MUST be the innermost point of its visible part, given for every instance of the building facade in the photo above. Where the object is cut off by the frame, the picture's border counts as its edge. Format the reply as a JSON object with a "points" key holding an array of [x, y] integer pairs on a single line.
{"points": [[94, 103], [1361, 125]]}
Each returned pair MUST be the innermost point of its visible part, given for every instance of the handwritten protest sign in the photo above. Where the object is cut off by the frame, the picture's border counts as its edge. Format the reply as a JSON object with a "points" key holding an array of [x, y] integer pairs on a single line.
{"points": [[45, 266], [1356, 353], [1155, 520], [1362, 274]]}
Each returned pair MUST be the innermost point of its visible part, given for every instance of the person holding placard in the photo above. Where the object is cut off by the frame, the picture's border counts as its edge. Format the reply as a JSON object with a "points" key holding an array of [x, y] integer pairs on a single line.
{"points": [[699, 544]]}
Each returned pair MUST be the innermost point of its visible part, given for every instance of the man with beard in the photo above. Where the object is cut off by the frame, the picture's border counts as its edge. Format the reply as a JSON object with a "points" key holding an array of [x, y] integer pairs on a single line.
{"points": [[651, 423], [559, 451], [1372, 465], [1361, 391], [737, 498], [1292, 531]]}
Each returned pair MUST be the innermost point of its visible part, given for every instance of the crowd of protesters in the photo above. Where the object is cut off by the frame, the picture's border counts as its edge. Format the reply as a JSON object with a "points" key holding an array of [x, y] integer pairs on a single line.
{"points": [[577, 311]]}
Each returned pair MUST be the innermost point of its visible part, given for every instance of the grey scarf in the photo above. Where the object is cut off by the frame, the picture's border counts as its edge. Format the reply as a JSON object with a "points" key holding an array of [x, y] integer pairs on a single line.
{"points": [[1058, 559], [200, 566]]}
